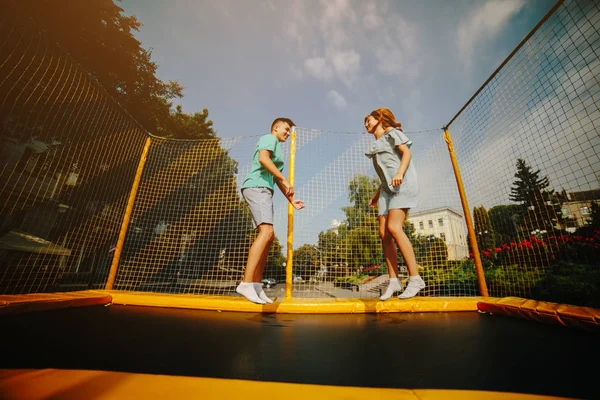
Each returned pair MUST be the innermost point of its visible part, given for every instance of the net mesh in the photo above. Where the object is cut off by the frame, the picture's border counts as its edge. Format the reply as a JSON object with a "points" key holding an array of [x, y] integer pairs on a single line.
{"points": [[68, 157], [528, 146]]}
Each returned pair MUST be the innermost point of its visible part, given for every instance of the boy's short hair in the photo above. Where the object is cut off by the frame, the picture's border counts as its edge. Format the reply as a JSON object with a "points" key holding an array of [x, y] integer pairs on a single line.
{"points": [[282, 119]]}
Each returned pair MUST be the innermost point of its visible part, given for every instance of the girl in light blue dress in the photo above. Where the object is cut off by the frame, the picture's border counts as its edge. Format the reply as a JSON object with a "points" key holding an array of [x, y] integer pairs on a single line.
{"points": [[398, 192]]}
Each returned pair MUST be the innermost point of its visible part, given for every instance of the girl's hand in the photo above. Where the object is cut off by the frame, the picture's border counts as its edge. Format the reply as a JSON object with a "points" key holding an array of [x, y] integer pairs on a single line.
{"points": [[373, 201], [397, 180], [298, 204]]}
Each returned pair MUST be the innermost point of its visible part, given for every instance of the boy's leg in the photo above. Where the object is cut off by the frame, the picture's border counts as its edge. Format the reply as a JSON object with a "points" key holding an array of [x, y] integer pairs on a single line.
{"points": [[258, 274], [260, 246]]}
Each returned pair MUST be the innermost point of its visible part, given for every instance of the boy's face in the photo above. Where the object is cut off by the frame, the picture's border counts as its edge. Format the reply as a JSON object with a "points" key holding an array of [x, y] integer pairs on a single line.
{"points": [[281, 130]]}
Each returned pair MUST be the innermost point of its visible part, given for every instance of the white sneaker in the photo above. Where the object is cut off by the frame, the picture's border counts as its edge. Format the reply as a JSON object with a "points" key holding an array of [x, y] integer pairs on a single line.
{"points": [[394, 286], [261, 293], [246, 289], [413, 287]]}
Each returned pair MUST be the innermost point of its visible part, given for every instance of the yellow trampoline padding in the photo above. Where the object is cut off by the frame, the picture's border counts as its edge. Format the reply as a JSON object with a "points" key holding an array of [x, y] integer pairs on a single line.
{"points": [[20, 303], [298, 305], [70, 384], [586, 318]]}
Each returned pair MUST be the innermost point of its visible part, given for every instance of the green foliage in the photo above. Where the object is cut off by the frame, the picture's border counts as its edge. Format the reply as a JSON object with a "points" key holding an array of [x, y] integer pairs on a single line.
{"points": [[307, 261], [540, 207], [99, 37], [362, 247], [360, 190], [430, 251], [275, 262], [484, 230], [570, 283], [504, 220]]}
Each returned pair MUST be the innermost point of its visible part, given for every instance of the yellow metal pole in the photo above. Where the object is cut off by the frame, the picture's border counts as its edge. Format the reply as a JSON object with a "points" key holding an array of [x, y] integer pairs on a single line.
{"points": [[289, 263], [134, 189], [465, 205]]}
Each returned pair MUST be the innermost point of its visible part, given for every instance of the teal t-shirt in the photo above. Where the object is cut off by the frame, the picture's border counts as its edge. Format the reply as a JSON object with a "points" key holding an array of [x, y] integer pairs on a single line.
{"points": [[259, 176]]}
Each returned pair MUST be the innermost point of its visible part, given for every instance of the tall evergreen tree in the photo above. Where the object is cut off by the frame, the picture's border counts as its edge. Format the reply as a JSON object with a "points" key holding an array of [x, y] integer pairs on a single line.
{"points": [[540, 206]]}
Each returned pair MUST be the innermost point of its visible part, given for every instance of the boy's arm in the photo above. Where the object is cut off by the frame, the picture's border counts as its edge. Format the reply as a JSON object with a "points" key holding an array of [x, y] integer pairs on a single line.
{"points": [[298, 204], [264, 158]]}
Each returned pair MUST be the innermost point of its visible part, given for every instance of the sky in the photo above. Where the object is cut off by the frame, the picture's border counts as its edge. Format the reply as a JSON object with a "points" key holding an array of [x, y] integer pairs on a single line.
{"points": [[327, 63]]}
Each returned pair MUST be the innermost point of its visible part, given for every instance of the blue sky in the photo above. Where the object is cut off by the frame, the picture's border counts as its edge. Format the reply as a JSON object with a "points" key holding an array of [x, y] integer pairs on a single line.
{"points": [[327, 63]]}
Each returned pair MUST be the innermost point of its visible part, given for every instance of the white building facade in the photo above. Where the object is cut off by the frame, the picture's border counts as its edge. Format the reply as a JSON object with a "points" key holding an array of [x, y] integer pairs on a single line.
{"points": [[446, 224]]}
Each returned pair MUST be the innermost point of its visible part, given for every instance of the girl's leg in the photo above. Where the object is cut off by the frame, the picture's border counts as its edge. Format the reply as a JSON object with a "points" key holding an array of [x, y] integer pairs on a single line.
{"points": [[391, 259], [396, 218], [389, 248]]}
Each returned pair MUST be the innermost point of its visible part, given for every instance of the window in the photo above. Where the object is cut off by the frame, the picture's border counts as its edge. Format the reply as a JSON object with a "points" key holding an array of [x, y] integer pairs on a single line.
{"points": [[440, 222], [430, 223], [443, 236], [585, 210], [421, 225]]}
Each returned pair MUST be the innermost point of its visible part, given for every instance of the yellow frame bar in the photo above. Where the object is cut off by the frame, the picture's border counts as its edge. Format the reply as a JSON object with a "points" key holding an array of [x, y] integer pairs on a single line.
{"points": [[128, 210], [289, 263], [465, 205]]}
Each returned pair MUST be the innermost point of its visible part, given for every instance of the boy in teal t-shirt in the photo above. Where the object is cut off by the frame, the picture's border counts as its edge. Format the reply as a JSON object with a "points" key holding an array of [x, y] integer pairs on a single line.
{"points": [[257, 189]]}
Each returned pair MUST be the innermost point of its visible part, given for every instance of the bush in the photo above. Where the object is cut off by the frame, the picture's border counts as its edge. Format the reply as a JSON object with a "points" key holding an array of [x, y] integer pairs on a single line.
{"points": [[570, 283]]}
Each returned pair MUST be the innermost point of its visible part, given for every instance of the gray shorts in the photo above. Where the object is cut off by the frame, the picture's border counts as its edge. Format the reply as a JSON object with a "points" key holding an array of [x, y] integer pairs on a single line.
{"points": [[260, 202]]}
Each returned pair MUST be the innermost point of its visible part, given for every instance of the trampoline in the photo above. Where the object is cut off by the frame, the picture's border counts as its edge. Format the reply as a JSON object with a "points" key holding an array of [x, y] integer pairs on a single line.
{"points": [[443, 354]]}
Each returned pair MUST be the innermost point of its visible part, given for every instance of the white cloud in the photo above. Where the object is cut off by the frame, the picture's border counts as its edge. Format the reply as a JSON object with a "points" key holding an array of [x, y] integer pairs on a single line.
{"points": [[319, 68], [397, 49], [296, 71], [336, 99], [370, 18], [484, 23], [346, 64], [336, 17]]}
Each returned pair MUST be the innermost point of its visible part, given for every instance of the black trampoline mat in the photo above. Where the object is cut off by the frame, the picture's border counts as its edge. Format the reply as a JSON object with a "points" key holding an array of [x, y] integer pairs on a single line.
{"points": [[455, 350]]}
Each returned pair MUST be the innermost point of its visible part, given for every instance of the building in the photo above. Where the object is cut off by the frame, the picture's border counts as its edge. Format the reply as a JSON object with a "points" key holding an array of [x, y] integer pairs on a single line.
{"points": [[575, 209], [446, 224]]}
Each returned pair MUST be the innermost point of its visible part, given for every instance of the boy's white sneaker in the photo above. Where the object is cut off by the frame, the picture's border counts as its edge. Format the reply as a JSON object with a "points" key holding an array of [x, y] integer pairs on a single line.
{"points": [[394, 286], [415, 284]]}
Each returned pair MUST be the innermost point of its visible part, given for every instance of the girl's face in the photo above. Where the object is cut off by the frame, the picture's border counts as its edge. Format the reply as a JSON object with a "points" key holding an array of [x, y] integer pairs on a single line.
{"points": [[371, 123]]}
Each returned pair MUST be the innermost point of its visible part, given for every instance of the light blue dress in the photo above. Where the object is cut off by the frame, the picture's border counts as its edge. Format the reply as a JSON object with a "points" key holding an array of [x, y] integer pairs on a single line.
{"points": [[386, 160]]}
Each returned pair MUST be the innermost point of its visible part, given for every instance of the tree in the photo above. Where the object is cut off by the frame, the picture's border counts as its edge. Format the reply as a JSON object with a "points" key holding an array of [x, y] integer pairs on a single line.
{"points": [[484, 230], [275, 262], [360, 190], [540, 207], [307, 261], [504, 219], [97, 35]]}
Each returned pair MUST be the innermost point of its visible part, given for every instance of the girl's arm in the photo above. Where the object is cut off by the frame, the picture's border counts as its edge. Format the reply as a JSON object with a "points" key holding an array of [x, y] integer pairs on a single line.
{"points": [[375, 198], [405, 161]]}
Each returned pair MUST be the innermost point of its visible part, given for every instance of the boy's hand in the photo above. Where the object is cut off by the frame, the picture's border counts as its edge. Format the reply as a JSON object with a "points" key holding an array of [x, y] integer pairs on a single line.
{"points": [[287, 189], [298, 204]]}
